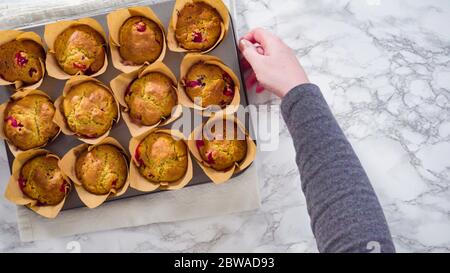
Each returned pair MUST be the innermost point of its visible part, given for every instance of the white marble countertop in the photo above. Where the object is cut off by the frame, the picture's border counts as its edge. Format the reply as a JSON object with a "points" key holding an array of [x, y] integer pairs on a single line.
{"points": [[384, 68]]}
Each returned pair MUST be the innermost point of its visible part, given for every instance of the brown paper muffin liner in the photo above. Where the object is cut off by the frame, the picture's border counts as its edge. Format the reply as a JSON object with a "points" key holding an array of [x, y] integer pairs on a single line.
{"points": [[16, 96], [52, 31], [11, 35], [59, 118], [115, 21], [191, 59], [120, 84], [14, 194], [67, 165], [138, 182], [219, 177], [179, 4]]}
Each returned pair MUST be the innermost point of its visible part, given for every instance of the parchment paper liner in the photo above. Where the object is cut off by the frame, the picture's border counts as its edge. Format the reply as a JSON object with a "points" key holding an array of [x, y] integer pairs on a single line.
{"points": [[120, 84], [14, 194], [179, 4], [219, 177], [138, 182], [67, 165], [115, 21], [188, 61], [11, 35], [18, 95], [59, 115], [52, 31]]}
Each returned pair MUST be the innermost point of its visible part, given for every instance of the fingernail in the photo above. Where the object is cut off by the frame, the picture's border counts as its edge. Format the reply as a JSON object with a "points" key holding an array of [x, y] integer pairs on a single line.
{"points": [[246, 43]]}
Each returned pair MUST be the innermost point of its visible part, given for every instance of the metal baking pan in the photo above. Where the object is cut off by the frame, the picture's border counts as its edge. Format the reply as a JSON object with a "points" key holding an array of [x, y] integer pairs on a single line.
{"points": [[227, 51]]}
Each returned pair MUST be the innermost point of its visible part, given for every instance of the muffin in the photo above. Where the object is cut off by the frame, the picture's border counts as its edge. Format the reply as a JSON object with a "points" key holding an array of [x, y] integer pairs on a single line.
{"points": [[161, 158], [198, 27], [41, 180], [141, 40], [210, 83], [101, 169], [89, 109], [151, 98], [80, 48], [29, 122], [219, 152], [20, 60]]}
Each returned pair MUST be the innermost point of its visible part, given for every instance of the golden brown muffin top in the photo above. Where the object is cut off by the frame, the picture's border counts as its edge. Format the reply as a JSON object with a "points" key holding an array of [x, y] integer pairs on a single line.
{"points": [[101, 169], [42, 180], [151, 98], [198, 27], [90, 109], [141, 40], [21, 61], [161, 158], [210, 83], [29, 122], [224, 147], [80, 49]]}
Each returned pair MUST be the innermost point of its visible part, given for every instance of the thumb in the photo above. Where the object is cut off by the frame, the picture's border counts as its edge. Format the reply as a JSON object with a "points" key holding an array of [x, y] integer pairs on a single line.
{"points": [[250, 52]]}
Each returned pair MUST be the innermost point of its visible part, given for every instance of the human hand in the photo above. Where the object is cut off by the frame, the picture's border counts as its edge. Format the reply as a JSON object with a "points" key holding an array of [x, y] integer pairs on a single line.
{"points": [[273, 65]]}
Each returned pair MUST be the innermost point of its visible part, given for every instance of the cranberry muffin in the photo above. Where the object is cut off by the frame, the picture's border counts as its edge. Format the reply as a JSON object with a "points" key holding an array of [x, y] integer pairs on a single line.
{"points": [[198, 27], [29, 123], [81, 49], [222, 149], [141, 40], [89, 109], [151, 98], [210, 83], [41, 180], [101, 169], [161, 158], [20, 60]]}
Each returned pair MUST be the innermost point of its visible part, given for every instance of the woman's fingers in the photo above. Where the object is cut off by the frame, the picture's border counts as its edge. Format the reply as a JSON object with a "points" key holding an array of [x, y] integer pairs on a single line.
{"points": [[262, 37], [250, 52], [250, 80], [259, 88], [244, 64]]}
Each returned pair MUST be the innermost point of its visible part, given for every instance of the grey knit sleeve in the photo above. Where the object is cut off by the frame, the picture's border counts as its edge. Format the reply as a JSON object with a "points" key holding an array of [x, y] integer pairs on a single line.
{"points": [[344, 210]]}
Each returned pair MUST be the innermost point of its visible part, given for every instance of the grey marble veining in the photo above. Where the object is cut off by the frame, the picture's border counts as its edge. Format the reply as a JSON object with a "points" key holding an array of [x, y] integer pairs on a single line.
{"points": [[384, 68]]}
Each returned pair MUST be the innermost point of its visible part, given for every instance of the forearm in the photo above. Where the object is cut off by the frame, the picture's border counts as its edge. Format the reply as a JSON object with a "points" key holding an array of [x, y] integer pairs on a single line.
{"points": [[344, 210]]}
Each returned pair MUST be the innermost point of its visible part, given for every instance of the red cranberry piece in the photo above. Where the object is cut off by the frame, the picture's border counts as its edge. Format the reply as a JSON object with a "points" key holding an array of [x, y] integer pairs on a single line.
{"points": [[141, 26], [79, 66], [200, 143], [14, 122], [63, 187], [137, 156], [228, 92], [210, 158], [227, 78], [198, 37], [22, 182], [193, 84], [21, 58], [113, 184]]}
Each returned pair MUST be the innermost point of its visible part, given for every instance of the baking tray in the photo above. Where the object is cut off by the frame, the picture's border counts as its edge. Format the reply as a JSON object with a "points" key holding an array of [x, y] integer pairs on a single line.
{"points": [[227, 51]]}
